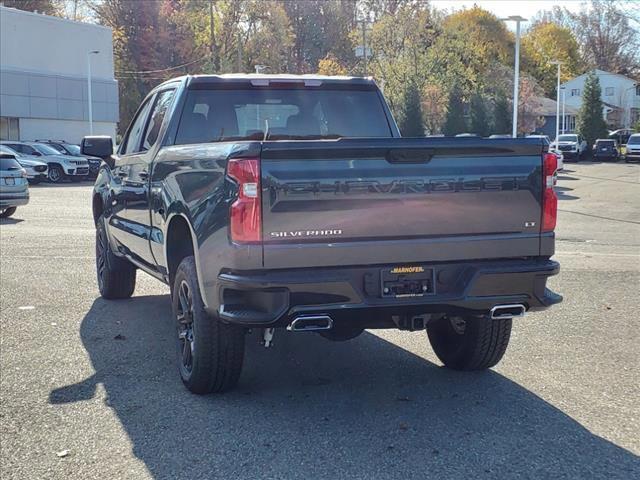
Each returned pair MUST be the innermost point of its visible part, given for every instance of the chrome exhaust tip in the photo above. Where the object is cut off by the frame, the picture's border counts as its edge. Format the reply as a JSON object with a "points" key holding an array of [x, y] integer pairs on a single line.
{"points": [[507, 311], [310, 323]]}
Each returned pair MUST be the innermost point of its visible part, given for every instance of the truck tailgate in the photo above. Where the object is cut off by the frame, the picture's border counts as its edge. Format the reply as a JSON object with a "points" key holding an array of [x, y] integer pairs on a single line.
{"points": [[399, 200]]}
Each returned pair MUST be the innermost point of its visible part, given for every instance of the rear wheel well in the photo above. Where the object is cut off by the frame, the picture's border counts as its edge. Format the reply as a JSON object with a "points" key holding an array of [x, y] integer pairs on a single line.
{"points": [[98, 207], [179, 245]]}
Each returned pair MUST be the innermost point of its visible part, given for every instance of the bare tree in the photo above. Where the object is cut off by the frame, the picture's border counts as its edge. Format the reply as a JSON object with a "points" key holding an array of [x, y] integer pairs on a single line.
{"points": [[607, 33]]}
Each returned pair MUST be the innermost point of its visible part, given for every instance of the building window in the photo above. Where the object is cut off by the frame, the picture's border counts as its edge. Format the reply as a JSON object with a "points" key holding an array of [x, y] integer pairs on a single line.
{"points": [[9, 128], [637, 90], [570, 123], [608, 92], [575, 92]]}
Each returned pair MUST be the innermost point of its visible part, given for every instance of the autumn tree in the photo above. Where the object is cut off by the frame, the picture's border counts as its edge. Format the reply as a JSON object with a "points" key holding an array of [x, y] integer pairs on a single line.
{"points": [[607, 39], [530, 111], [590, 123], [320, 28], [268, 37], [545, 42], [483, 32], [434, 107], [400, 43], [330, 65]]}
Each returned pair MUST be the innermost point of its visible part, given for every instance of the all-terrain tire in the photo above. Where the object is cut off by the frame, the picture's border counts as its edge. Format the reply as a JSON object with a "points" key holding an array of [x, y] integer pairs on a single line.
{"points": [[480, 345], [210, 352], [7, 212], [116, 276]]}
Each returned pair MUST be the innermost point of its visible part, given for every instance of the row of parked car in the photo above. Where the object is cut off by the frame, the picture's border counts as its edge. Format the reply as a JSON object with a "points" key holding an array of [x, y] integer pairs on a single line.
{"points": [[51, 160]]}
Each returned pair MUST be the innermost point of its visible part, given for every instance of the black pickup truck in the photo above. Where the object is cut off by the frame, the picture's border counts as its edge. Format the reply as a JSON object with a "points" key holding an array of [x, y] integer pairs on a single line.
{"points": [[292, 201]]}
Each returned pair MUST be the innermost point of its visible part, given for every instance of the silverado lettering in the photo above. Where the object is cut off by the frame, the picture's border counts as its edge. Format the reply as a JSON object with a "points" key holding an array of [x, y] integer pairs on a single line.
{"points": [[438, 185], [306, 233]]}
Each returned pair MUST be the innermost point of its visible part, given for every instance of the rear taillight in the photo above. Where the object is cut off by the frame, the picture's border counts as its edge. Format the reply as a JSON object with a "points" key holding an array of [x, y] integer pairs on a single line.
{"points": [[246, 214], [549, 197]]}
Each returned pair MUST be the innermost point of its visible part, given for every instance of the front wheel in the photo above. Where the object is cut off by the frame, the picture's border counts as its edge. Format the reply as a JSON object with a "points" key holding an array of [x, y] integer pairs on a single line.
{"points": [[210, 352], [56, 174], [469, 343], [7, 212], [116, 276]]}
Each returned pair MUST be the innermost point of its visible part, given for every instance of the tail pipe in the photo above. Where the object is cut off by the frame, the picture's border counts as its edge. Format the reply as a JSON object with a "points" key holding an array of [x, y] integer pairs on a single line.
{"points": [[310, 323], [507, 311]]}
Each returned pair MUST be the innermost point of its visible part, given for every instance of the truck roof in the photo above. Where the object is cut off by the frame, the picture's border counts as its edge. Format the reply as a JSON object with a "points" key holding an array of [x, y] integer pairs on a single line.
{"points": [[258, 79]]}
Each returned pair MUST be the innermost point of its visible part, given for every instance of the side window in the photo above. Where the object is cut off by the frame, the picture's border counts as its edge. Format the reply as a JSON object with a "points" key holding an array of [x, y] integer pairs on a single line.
{"points": [[134, 136], [162, 104], [15, 146]]}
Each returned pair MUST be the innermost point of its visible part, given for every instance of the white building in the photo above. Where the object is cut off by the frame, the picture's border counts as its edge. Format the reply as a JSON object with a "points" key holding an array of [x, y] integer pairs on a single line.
{"points": [[620, 96], [43, 78]]}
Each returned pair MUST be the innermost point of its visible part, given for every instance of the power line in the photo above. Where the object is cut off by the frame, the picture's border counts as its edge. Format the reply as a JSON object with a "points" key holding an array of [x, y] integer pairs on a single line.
{"points": [[168, 69]]}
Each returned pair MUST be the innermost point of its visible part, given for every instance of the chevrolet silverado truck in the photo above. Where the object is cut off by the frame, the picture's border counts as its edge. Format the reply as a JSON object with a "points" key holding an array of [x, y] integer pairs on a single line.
{"points": [[292, 202]]}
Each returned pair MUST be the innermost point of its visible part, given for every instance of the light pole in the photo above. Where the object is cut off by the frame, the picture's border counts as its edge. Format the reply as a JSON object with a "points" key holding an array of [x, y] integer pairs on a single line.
{"points": [[558, 63], [92, 52], [516, 78], [564, 117]]}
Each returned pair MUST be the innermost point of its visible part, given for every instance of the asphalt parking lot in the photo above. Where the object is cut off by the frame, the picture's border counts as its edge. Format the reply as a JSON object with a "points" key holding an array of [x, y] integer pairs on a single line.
{"points": [[89, 389]]}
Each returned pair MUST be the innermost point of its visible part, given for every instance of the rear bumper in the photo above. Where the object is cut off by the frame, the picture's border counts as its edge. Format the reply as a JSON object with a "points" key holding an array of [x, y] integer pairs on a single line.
{"points": [[14, 200], [569, 154], [605, 156], [273, 298]]}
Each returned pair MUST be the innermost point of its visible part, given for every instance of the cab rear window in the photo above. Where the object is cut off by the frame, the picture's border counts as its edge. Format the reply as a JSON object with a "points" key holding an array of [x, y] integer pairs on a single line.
{"points": [[281, 114]]}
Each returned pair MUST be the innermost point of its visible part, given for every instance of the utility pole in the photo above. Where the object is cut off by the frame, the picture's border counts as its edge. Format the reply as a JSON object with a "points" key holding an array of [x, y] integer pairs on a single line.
{"points": [[564, 117], [516, 77], [364, 45], [364, 22], [215, 61], [238, 53], [558, 63]]}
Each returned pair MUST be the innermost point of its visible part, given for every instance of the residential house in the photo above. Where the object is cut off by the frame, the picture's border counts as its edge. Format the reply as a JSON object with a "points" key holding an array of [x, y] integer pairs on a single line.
{"points": [[547, 109], [620, 97]]}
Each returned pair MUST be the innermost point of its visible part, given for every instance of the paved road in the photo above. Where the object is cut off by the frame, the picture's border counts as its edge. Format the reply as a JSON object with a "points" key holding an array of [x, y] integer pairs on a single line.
{"points": [[97, 378]]}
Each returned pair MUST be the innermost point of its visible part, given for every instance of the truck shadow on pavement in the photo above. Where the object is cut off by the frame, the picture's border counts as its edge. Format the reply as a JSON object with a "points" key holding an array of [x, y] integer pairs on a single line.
{"points": [[317, 409]]}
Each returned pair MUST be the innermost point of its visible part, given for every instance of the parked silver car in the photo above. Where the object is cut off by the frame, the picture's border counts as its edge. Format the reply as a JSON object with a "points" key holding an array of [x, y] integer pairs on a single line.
{"points": [[14, 188], [37, 170], [60, 166]]}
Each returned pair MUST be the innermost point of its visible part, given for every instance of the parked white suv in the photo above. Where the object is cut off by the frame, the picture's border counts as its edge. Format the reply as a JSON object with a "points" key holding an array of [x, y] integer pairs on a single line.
{"points": [[633, 148], [571, 145], [60, 166]]}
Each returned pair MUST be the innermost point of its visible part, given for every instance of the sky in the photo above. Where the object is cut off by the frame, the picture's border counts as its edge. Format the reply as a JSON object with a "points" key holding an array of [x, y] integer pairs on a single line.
{"points": [[506, 8]]}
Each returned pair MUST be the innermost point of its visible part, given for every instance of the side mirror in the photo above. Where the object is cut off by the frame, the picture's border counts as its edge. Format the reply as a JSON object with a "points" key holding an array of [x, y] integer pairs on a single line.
{"points": [[98, 146]]}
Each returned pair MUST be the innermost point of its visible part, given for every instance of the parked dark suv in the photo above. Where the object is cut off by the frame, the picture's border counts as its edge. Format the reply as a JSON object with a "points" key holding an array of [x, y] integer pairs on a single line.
{"points": [[606, 150]]}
